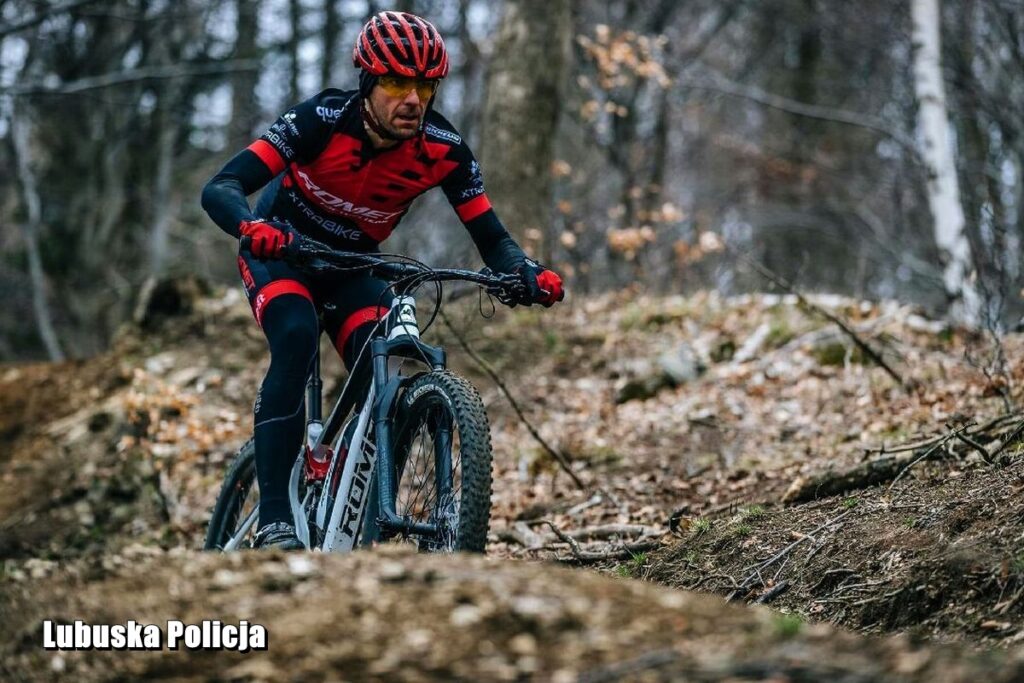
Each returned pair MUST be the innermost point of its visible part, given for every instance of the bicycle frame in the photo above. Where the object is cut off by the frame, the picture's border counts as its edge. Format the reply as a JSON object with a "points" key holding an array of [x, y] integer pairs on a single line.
{"points": [[343, 516]]}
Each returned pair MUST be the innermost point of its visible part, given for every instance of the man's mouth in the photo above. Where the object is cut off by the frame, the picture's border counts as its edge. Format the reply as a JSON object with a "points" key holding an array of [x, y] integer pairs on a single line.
{"points": [[407, 117]]}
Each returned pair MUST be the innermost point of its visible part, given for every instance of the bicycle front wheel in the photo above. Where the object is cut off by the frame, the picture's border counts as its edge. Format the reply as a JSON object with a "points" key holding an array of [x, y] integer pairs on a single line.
{"points": [[233, 522], [442, 461]]}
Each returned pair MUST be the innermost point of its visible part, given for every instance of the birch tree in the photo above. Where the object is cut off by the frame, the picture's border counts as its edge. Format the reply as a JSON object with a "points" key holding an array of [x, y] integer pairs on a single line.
{"points": [[947, 211], [21, 145]]}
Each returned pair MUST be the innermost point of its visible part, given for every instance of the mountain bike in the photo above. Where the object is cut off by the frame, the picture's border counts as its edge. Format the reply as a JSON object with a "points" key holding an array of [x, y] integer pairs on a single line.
{"points": [[403, 456]]}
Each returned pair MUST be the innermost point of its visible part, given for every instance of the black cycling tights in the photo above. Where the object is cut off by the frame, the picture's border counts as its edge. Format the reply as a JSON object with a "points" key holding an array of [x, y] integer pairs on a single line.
{"points": [[290, 324]]}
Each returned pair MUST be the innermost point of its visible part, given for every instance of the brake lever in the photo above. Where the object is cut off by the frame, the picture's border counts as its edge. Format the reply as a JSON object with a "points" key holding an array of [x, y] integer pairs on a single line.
{"points": [[507, 290]]}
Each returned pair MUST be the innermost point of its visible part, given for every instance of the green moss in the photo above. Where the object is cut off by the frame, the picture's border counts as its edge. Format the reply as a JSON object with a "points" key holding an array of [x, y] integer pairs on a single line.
{"points": [[779, 333], [836, 353], [788, 625], [753, 512]]}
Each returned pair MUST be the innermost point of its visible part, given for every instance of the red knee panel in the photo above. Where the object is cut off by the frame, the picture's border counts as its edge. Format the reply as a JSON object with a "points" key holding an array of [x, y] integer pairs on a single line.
{"points": [[273, 290], [363, 315]]}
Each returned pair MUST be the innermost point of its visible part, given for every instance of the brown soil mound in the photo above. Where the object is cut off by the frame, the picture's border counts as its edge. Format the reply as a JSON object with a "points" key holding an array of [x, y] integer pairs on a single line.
{"points": [[940, 555], [405, 617]]}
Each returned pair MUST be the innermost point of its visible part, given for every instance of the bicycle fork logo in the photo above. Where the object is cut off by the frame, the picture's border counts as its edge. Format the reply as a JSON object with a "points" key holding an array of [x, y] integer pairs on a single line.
{"points": [[357, 496]]}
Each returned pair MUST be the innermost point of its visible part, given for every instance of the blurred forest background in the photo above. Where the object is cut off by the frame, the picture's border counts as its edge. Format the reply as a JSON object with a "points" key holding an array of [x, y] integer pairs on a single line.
{"points": [[626, 142]]}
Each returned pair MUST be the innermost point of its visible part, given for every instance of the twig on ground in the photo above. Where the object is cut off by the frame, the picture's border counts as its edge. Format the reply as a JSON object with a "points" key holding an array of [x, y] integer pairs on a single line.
{"points": [[707, 577], [1003, 608], [999, 446], [846, 571], [772, 593], [523, 535], [559, 458], [926, 454], [747, 584], [593, 501], [625, 550], [902, 449], [976, 446]]}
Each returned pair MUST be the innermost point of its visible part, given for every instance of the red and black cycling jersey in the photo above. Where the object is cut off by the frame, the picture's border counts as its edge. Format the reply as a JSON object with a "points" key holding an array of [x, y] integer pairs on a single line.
{"points": [[325, 178]]}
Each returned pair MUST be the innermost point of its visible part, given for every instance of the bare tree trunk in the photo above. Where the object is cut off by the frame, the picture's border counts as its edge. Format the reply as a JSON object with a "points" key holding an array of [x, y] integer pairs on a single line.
{"points": [[30, 228], [244, 108], [469, 72], [166, 137], [521, 110], [331, 33], [937, 152], [295, 16]]}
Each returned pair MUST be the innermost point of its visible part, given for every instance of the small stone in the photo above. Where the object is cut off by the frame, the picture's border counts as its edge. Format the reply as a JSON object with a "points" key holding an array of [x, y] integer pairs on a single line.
{"points": [[392, 571], [225, 578], [301, 565], [465, 615], [523, 644], [58, 664], [419, 639]]}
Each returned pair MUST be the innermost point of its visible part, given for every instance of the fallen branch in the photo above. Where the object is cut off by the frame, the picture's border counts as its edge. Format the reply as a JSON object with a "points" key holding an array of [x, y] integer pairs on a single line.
{"points": [[889, 468], [562, 461]]}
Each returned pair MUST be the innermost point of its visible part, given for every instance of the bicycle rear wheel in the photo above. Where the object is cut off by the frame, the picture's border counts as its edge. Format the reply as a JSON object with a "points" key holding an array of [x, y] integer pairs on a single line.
{"points": [[234, 520], [442, 461]]}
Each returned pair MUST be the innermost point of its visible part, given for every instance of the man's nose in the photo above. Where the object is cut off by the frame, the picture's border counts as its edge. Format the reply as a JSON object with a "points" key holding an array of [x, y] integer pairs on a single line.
{"points": [[412, 98]]}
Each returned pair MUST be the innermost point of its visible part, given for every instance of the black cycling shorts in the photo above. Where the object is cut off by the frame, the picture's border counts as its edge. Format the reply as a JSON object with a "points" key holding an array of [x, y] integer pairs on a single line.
{"points": [[343, 301]]}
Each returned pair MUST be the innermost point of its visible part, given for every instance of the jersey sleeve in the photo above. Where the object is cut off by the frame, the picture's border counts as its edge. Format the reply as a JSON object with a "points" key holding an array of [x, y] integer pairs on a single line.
{"points": [[300, 134], [464, 186]]}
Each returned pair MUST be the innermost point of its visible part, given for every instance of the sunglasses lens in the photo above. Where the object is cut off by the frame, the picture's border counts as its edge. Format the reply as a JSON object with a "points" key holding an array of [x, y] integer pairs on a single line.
{"points": [[396, 86]]}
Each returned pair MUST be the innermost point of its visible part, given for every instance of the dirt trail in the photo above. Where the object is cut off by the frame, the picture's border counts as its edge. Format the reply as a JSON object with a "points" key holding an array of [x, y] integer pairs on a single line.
{"points": [[389, 615], [110, 468]]}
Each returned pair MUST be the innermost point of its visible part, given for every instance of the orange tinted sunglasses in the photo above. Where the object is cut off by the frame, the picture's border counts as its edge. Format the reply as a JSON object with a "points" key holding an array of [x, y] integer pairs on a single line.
{"points": [[399, 86]]}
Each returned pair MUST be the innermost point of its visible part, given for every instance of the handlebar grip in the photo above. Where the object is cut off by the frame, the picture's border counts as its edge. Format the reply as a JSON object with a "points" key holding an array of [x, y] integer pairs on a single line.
{"points": [[245, 243]]}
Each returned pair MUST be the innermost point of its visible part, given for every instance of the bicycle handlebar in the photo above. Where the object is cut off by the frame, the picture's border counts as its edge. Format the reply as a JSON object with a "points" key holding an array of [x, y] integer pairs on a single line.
{"points": [[308, 254]]}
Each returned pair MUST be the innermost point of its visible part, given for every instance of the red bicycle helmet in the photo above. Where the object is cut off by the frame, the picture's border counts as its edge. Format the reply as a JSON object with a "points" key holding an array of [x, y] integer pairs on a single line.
{"points": [[401, 44]]}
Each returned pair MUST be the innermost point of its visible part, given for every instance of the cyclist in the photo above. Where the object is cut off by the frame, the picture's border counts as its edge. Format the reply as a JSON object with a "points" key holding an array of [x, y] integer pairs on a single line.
{"points": [[343, 167]]}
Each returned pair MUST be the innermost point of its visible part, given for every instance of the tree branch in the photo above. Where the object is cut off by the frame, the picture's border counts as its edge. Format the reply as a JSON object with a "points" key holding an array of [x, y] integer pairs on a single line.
{"points": [[161, 71], [42, 16], [720, 84]]}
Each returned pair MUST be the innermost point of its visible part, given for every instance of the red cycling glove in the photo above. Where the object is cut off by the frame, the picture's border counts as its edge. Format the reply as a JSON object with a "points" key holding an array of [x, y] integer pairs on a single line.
{"points": [[543, 286], [551, 282], [267, 239]]}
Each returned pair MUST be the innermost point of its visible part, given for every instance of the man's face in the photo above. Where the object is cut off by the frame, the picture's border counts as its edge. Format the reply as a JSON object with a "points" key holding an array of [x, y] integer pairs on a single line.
{"points": [[398, 104]]}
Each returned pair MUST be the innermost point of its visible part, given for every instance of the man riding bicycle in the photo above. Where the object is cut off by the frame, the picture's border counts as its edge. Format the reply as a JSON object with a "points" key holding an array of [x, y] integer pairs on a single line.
{"points": [[343, 167]]}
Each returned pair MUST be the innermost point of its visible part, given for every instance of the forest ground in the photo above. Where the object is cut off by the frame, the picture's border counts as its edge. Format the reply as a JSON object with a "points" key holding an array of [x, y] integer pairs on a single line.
{"points": [[688, 421]]}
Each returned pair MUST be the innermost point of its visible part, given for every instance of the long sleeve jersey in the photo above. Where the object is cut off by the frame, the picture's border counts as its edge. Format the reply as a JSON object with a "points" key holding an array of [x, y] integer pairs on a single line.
{"points": [[323, 175]]}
